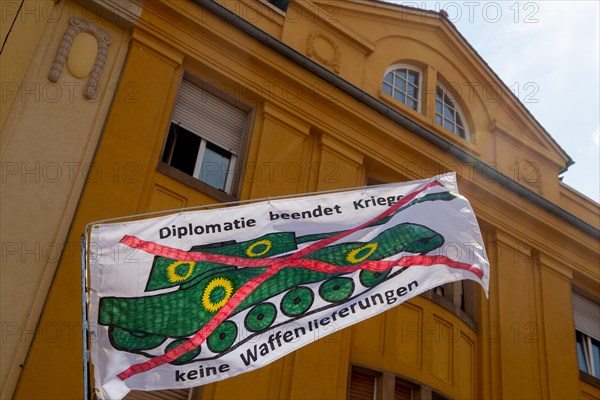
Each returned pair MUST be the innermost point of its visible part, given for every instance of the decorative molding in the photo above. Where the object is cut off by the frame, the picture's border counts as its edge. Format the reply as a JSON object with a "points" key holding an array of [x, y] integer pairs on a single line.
{"points": [[534, 145], [528, 173], [274, 113], [517, 245], [324, 14], [76, 27], [311, 51], [123, 13], [142, 41], [551, 263], [342, 150]]}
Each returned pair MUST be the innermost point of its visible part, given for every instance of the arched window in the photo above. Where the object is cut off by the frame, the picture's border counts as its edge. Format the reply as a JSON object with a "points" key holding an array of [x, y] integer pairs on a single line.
{"points": [[403, 83], [448, 113]]}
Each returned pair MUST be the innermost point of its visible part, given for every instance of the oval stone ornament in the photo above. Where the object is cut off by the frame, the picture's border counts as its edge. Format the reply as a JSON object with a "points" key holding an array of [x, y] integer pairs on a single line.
{"points": [[82, 55]]}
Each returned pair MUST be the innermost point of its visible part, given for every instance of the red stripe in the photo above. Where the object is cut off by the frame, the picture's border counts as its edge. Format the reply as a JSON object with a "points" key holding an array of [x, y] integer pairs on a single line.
{"points": [[181, 255], [316, 265], [276, 265], [205, 331], [327, 241]]}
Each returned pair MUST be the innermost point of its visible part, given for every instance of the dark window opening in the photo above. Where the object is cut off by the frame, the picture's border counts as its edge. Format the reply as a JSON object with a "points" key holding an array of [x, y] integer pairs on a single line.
{"points": [[281, 4], [181, 149]]}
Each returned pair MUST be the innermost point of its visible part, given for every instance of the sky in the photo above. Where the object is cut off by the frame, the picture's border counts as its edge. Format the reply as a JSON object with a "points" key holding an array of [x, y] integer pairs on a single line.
{"points": [[547, 53]]}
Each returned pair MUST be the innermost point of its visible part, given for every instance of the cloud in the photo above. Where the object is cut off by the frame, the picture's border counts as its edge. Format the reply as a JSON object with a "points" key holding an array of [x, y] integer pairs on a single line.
{"points": [[596, 137]]}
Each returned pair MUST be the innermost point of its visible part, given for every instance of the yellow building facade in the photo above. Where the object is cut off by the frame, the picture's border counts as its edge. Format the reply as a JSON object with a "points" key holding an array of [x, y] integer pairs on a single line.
{"points": [[105, 109]]}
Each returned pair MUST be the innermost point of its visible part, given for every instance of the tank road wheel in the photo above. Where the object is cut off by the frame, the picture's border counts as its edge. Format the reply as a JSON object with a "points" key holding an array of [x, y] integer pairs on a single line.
{"points": [[260, 317], [372, 278], [187, 357], [222, 337], [337, 290], [297, 301], [133, 341]]}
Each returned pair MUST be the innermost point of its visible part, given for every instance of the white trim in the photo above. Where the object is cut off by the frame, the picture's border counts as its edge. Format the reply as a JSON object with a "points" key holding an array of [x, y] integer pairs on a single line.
{"points": [[273, 7], [230, 174], [589, 355], [199, 159]]}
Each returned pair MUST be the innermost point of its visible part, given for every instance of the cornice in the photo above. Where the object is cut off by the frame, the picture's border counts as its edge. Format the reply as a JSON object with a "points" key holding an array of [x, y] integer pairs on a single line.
{"points": [[274, 113], [515, 241], [454, 39], [144, 40], [515, 223], [555, 265], [523, 141], [307, 7], [582, 201], [254, 10], [349, 119], [123, 13], [341, 150]]}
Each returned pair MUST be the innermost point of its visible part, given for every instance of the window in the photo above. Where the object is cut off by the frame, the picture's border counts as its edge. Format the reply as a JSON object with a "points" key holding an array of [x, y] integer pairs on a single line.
{"points": [[457, 297], [403, 390], [447, 112], [366, 384], [403, 83], [205, 137], [587, 329], [281, 4], [362, 384], [172, 394], [459, 293]]}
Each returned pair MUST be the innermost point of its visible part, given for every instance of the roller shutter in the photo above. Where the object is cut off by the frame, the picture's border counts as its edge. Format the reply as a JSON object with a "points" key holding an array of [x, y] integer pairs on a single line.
{"points": [[587, 316], [209, 116]]}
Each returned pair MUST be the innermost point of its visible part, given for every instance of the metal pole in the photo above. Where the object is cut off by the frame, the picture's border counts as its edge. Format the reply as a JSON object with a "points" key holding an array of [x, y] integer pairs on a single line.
{"points": [[84, 322]]}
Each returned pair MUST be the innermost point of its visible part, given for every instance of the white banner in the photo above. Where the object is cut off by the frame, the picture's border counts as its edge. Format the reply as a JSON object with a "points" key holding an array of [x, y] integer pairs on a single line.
{"points": [[196, 297]]}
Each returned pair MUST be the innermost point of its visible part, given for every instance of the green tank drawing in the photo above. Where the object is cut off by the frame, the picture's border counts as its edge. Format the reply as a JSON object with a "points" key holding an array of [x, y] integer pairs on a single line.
{"points": [[141, 324]]}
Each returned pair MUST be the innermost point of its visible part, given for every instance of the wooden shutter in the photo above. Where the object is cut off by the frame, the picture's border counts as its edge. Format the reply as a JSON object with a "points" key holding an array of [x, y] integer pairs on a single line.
{"points": [[402, 391], [175, 394], [362, 386], [587, 316], [209, 117]]}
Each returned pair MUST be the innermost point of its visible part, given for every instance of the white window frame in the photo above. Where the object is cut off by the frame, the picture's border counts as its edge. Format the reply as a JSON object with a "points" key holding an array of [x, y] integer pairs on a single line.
{"points": [[199, 94], [457, 110], [230, 170], [586, 315], [588, 355], [419, 84]]}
